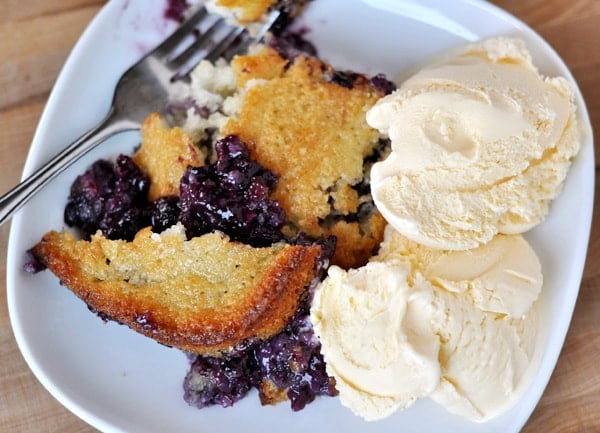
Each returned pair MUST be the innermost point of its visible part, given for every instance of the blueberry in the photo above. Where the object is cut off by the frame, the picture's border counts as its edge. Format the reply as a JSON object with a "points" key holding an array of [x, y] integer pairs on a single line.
{"points": [[164, 212], [231, 195], [109, 197]]}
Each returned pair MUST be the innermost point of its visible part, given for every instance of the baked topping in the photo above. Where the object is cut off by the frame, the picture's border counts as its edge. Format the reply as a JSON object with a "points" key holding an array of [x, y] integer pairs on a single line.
{"points": [[311, 132], [202, 295]]}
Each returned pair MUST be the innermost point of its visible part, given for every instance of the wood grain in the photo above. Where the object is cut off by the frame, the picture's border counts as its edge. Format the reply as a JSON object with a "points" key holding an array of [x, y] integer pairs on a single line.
{"points": [[35, 39]]}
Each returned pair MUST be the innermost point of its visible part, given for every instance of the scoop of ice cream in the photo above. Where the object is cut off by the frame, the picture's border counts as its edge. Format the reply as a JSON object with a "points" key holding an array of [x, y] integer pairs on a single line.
{"points": [[415, 322], [503, 276], [481, 143], [380, 366], [484, 356]]}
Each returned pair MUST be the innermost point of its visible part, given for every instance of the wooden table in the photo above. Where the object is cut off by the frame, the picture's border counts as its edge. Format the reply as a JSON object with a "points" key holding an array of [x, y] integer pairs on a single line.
{"points": [[35, 39]]}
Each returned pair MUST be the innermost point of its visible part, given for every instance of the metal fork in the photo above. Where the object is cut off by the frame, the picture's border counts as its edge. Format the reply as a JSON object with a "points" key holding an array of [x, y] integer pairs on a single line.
{"points": [[143, 89]]}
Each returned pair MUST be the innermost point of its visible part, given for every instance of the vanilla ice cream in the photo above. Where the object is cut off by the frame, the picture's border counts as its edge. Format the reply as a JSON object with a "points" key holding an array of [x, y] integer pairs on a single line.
{"points": [[379, 363], [481, 143], [456, 326]]}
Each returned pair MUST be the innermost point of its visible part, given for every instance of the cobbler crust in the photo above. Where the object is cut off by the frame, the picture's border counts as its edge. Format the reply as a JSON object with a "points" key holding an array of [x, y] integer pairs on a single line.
{"points": [[164, 156], [312, 133], [247, 10], [204, 295]]}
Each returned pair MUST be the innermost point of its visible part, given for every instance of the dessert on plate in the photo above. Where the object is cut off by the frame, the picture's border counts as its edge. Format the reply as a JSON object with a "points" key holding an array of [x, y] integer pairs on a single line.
{"points": [[211, 237], [269, 200]]}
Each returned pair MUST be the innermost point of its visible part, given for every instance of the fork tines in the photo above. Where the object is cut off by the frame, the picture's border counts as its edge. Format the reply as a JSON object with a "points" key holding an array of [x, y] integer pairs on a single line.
{"points": [[206, 36]]}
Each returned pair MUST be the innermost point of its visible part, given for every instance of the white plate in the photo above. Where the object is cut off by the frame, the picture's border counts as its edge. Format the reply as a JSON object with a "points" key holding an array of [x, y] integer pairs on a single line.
{"points": [[119, 381]]}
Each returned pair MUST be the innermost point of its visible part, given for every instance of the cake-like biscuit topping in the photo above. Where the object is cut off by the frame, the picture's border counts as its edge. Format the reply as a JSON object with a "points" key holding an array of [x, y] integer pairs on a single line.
{"points": [[164, 156], [312, 133], [252, 12], [247, 10], [201, 295]]}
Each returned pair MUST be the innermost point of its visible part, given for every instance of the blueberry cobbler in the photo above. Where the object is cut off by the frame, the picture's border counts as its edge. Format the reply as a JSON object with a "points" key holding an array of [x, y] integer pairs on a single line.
{"points": [[213, 234]]}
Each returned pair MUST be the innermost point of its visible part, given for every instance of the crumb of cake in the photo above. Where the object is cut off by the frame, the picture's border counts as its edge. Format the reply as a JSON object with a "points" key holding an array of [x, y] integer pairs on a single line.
{"points": [[354, 243], [247, 10], [207, 101], [264, 65], [216, 78], [270, 393], [164, 155]]}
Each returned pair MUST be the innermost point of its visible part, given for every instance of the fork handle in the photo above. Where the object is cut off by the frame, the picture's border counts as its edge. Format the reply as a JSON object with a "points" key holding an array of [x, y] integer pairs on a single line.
{"points": [[20, 194]]}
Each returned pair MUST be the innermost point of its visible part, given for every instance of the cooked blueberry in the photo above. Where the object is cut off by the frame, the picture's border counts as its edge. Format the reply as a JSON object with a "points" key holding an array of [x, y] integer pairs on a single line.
{"points": [[231, 195], [381, 83], [291, 360], [290, 44], [344, 79], [32, 265], [163, 212], [109, 197], [218, 381]]}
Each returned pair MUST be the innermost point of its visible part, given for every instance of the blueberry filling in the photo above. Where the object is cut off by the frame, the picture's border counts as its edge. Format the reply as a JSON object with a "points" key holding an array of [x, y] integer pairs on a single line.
{"points": [[231, 195], [219, 381], [291, 360], [381, 83], [164, 212], [290, 44], [111, 198]]}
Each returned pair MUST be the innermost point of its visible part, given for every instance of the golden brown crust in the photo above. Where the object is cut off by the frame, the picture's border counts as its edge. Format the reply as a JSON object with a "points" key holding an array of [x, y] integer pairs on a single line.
{"points": [[356, 243], [249, 10], [164, 156], [203, 295], [312, 133], [264, 65]]}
